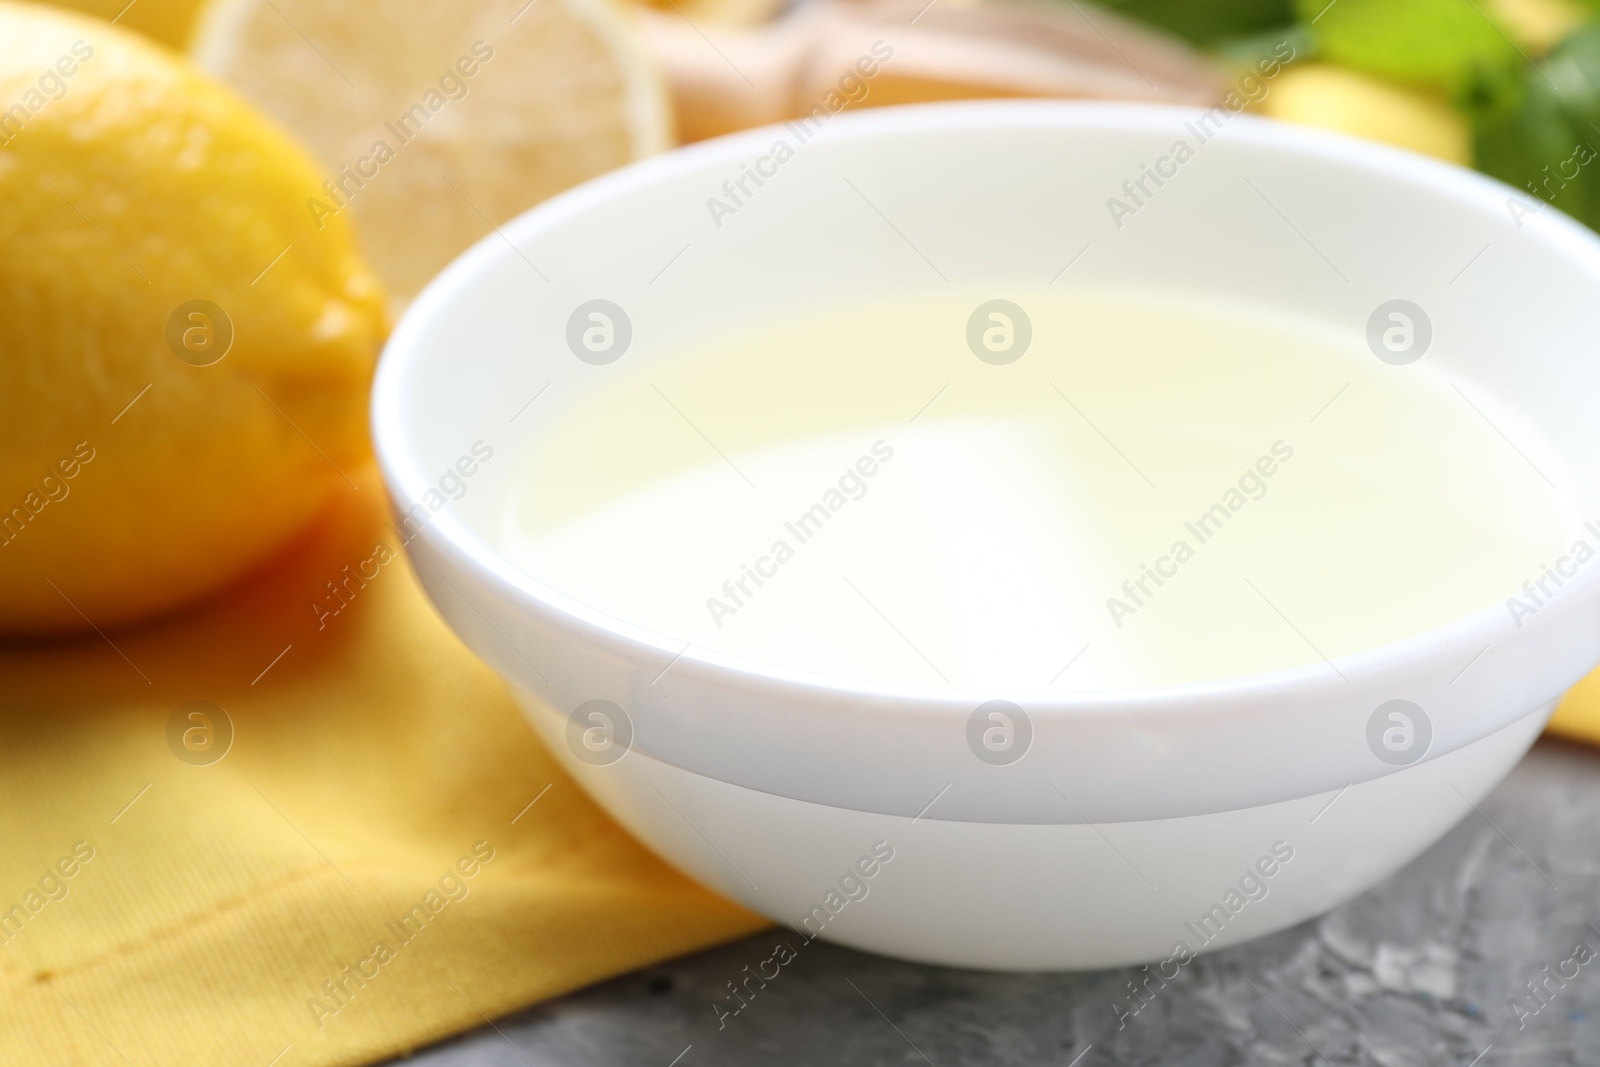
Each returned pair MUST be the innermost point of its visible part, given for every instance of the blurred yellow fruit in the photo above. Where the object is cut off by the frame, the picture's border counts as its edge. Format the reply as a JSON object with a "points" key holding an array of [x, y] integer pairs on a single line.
{"points": [[1539, 24], [171, 21], [184, 354], [167, 21], [1338, 99], [435, 121]]}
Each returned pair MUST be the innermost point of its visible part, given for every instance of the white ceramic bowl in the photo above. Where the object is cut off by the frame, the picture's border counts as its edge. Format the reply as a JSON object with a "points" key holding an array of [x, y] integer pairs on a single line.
{"points": [[1138, 819]]}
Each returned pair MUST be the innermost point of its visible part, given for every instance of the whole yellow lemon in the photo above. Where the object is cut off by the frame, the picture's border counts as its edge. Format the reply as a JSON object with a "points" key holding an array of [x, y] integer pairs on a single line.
{"points": [[167, 21], [184, 352]]}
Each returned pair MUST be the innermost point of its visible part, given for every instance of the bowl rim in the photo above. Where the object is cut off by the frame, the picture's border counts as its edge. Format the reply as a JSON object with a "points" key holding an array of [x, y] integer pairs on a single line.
{"points": [[464, 548]]}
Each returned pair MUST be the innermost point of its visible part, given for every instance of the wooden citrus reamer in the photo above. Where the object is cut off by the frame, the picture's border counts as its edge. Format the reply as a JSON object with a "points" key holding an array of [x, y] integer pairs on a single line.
{"points": [[728, 78]]}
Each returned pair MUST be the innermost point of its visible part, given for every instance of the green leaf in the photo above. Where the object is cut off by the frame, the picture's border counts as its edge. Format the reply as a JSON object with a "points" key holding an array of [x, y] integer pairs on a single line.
{"points": [[1546, 147], [1208, 21], [1450, 45], [1244, 52]]}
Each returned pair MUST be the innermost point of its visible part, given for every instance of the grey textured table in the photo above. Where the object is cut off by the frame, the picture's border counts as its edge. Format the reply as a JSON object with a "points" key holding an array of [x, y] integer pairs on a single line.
{"points": [[1419, 971]]}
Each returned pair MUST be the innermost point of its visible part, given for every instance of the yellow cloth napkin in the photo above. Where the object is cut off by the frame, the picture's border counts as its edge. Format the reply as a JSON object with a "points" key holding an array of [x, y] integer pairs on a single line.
{"points": [[368, 827], [1577, 717]]}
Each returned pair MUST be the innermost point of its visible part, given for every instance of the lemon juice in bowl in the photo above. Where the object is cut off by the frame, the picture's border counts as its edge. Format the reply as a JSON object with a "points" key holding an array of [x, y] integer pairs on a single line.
{"points": [[966, 492]]}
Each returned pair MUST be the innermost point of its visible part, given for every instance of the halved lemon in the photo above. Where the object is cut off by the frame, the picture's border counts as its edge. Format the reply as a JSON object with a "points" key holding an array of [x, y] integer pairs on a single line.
{"points": [[434, 121]]}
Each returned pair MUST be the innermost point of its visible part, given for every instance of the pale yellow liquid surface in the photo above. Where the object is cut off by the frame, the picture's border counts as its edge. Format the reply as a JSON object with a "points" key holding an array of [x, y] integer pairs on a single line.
{"points": [[1018, 499]]}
